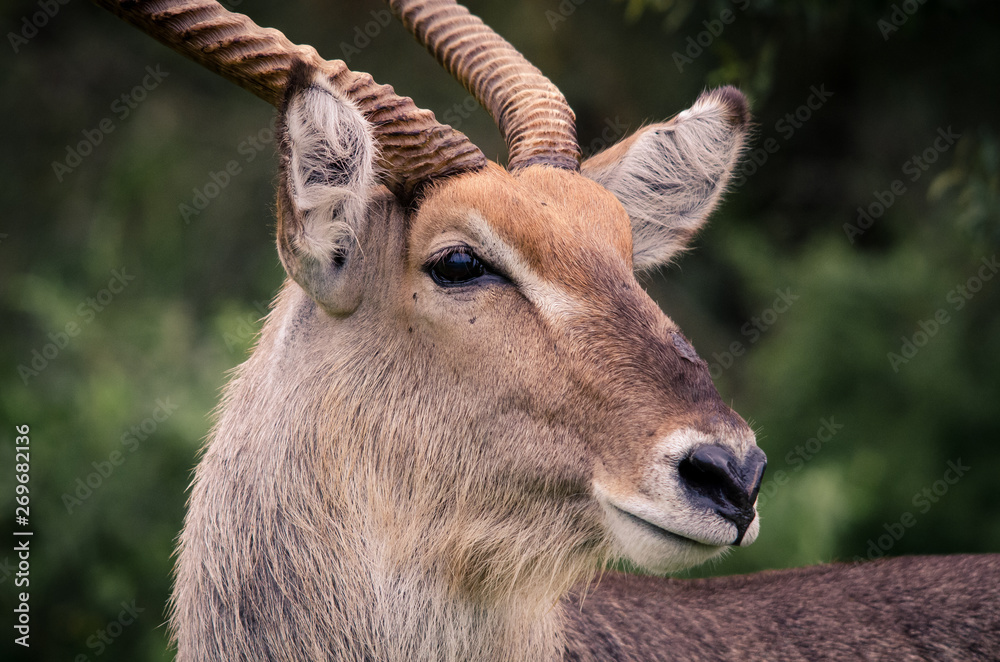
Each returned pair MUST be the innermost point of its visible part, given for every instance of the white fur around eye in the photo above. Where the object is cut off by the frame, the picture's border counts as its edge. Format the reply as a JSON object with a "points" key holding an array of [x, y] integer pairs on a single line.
{"points": [[331, 169]]}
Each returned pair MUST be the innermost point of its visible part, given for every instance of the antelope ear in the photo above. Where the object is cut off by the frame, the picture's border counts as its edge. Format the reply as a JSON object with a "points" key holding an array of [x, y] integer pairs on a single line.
{"points": [[326, 173], [670, 176]]}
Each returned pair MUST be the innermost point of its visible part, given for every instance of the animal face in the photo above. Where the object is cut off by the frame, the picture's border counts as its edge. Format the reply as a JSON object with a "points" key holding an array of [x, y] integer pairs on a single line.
{"points": [[521, 372]]}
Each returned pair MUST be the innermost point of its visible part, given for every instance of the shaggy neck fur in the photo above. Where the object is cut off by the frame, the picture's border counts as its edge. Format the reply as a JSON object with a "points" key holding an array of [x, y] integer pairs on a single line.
{"points": [[302, 544]]}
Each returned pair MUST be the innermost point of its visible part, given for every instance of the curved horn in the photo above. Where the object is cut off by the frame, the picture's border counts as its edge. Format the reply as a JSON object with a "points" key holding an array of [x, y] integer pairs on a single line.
{"points": [[532, 114], [415, 148]]}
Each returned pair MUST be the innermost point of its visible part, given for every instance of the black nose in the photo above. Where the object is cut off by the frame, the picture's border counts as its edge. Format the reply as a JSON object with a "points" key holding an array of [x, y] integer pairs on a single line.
{"points": [[716, 480]]}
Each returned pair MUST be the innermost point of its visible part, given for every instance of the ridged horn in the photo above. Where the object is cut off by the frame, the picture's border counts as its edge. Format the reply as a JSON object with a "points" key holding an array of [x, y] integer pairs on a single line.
{"points": [[533, 116], [414, 147]]}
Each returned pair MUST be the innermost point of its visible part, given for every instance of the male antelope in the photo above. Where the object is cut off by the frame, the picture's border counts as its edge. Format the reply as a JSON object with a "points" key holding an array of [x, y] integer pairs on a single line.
{"points": [[463, 404]]}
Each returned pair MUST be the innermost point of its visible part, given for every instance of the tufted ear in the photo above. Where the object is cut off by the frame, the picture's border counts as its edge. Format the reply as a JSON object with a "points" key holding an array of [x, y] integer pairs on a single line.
{"points": [[326, 174], [670, 176]]}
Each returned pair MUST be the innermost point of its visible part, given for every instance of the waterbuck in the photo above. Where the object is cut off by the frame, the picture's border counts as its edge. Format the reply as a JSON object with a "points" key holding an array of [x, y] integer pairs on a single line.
{"points": [[463, 406]]}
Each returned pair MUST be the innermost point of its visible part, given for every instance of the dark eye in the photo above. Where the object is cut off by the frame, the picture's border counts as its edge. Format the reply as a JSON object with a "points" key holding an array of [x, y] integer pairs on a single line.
{"points": [[456, 267]]}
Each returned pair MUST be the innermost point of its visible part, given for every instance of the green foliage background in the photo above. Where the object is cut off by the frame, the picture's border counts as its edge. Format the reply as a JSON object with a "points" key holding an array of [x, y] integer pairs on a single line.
{"points": [[189, 314]]}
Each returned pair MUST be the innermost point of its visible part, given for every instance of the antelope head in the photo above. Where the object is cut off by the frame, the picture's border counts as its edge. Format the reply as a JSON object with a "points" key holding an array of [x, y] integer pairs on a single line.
{"points": [[462, 371]]}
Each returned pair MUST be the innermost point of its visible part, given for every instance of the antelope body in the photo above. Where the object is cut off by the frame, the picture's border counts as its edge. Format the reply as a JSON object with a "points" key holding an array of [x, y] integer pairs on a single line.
{"points": [[463, 404]]}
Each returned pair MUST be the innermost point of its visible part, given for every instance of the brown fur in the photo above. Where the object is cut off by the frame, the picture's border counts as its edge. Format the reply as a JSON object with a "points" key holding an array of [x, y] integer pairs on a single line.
{"points": [[404, 470], [910, 609], [430, 455]]}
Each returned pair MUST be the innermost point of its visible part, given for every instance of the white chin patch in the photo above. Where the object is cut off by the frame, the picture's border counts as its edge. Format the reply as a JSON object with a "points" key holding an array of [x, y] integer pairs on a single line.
{"points": [[654, 548], [752, 531], [656, 524]]}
